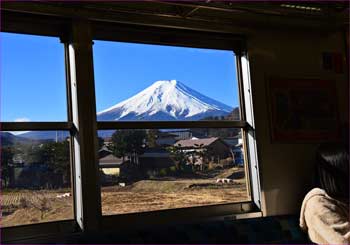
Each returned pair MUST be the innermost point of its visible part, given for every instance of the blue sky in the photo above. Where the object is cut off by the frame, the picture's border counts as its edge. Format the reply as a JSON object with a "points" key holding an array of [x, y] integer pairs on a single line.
{"points": [[33, 77]]}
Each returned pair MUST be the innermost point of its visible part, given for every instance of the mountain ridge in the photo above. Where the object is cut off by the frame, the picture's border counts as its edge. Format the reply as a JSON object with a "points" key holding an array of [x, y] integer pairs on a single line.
{"points": [[165, 100]]}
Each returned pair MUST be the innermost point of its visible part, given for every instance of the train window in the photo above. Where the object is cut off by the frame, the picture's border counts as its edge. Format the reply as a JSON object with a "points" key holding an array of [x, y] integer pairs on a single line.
{"points": [[194, 153], [35, 137], [36, 177], [122, 128]]}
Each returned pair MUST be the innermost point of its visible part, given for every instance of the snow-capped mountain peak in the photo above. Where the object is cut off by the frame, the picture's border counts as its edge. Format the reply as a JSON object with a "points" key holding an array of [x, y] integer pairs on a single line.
{"points": [[165, 100]]}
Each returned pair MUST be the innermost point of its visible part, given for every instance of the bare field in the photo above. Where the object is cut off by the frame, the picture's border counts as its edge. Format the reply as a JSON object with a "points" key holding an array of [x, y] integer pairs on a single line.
{"points": [[25, 207], [151, 195]]}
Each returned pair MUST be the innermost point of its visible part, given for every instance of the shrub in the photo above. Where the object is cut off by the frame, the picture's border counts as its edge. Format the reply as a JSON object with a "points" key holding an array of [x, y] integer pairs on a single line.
{"points": [[24, 203], [163, 172], [172, 169], [152, 173], [226, 162]]}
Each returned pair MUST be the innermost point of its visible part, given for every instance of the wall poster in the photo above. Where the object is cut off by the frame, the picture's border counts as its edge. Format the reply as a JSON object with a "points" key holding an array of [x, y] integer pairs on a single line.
{"points": [[302, 110]]}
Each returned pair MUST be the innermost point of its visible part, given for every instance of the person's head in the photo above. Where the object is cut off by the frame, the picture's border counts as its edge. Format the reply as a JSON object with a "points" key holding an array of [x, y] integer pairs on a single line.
{"points": [[332, 170]]}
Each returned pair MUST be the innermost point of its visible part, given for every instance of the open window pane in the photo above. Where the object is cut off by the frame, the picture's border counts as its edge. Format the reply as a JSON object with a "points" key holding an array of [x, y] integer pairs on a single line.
{"points": [[155, 169], [35, 177], [33, 86], [140, 82]]}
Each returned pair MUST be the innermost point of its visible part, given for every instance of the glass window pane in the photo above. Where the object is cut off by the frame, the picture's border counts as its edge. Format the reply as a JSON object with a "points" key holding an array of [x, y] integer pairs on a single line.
{"points": [[141, 82], [33, 86], [156, 169], [35, 177]]}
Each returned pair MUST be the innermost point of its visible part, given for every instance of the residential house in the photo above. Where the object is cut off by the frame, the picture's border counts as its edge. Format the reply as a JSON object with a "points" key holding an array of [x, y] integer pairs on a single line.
{"points": [[155, 158], [110, 165], [166, 138], [181, 134], [216, 148]]}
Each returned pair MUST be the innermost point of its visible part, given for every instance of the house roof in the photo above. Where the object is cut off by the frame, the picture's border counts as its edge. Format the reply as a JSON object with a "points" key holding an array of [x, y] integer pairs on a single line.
{"points": [[104, 148], [196, 142], [110, 159], [154, 152], [175, 130], [166, 135]]}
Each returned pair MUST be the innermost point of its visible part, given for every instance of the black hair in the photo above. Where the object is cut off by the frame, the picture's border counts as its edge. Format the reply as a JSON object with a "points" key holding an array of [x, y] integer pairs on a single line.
{"points": [[332, 170]]}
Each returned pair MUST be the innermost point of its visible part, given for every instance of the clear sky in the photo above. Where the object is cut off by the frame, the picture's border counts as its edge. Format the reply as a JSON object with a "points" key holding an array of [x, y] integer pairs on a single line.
{"points": [[33, 77]]}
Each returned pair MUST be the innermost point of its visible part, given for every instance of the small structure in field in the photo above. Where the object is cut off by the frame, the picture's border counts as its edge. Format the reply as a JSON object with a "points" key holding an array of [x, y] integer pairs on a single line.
{"points": [[63, 195], [224, 180]]}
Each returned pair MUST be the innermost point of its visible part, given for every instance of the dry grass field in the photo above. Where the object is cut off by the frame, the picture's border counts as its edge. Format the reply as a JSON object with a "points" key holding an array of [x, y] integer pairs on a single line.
{"points": [[149, 195], [21, 207], [26, 207]]}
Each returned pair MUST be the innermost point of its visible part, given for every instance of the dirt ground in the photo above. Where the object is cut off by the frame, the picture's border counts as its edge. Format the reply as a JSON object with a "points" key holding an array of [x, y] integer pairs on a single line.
{"points": [[148, 195], [26, 207]]}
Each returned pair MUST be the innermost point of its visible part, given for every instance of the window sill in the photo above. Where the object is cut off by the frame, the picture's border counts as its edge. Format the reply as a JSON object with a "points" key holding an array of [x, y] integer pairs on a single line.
{"points": [[180, 216], [41, 231]]}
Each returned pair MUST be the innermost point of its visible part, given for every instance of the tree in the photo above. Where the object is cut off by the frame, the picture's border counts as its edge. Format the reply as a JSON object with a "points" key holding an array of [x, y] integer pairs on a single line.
{"points": [[101, 142], [61, 161], [204, 153], [119, 144], [136, 144], [6, 162], [53, 154], [152, 138], [179, 156], [128, 142], [200, 152]]}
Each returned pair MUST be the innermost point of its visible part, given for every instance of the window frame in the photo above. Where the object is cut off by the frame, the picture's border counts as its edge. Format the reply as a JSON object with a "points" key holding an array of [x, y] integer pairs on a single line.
{"points": [[27, 231], [159, 36], [67, 30]]}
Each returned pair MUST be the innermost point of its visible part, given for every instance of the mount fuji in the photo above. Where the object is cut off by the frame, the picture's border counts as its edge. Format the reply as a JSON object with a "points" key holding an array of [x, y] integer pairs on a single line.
{"points": [[167, 100], [163, 101]]}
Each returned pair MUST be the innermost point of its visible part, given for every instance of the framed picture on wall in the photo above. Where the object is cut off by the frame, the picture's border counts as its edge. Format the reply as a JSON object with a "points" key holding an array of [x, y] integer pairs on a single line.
{"points": [[302, 110]]}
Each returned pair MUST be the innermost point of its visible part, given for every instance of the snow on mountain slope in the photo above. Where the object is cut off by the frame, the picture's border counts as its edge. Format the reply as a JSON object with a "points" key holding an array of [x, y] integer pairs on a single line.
{"points": [[165, 100]]}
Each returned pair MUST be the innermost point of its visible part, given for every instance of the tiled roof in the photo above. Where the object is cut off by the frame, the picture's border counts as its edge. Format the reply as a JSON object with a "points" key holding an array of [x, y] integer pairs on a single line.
{"points": [[110, 159], [196, 142]]}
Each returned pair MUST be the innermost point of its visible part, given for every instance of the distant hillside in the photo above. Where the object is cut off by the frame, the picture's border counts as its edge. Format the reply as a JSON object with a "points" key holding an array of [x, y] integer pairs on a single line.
{"points": [[234, 115], [46, 135], [9, 139]]}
